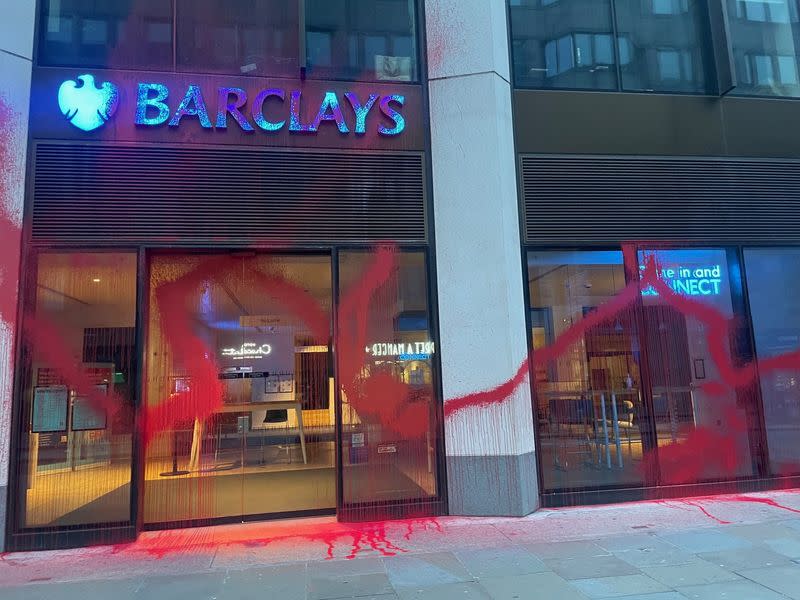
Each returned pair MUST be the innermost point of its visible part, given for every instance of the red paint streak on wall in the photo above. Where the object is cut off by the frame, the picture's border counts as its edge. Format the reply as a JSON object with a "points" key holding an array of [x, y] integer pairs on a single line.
{"points": [[48, 339], [484, 399], [375, 393], [717, 336], [204, 395], [503, 392], [9, 230]]}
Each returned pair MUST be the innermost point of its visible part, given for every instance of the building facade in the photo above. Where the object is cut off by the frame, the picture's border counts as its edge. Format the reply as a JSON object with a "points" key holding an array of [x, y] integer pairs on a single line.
{"points": [[393, 258]]}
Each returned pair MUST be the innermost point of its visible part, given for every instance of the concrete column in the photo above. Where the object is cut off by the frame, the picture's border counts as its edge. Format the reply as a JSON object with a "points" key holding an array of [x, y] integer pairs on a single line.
{"points": [[490, 448], [16, 47]]}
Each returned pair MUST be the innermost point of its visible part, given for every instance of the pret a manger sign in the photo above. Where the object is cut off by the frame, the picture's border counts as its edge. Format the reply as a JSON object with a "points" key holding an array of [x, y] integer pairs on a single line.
{"points": [[88, 106]]}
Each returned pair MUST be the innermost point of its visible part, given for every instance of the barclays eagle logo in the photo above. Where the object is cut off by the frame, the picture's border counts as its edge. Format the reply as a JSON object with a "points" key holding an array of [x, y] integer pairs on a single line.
{"points": [[85, 105]]}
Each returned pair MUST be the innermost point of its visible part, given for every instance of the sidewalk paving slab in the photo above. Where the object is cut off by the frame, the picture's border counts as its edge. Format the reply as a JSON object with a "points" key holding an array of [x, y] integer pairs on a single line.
{"points": [[698, 572], [589, 567], [730, 590], [616, 587], [536, 586], [425, 570], [785, 580], [500, 562], [755, 557], [705, 541]]}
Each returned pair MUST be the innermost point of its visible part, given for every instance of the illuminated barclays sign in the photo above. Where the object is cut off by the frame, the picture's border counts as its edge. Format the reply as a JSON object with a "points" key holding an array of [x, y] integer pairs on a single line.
{"points": [[269, 110]]}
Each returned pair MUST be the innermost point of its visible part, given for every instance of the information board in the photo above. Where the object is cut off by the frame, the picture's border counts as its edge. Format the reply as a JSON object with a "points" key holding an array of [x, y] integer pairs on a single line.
{"points": [[84, 416], [49, 409]]}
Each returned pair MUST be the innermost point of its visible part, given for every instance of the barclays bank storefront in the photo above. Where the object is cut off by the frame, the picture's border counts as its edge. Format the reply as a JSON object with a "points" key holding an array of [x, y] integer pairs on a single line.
{"points": [[228, 309]]}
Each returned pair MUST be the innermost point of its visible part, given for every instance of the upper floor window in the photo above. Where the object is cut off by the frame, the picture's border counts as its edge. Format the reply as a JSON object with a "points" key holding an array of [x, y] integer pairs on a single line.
{"points": [[766, 11], [334, 39], [632, 45], [256, 37], [361, 39], [765, 39], [87, 33], [668, 7]]}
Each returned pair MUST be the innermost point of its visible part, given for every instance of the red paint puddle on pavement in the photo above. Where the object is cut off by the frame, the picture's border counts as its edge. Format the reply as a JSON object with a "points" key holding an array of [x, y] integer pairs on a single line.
{"points": [[356, 539], [767, 501]]}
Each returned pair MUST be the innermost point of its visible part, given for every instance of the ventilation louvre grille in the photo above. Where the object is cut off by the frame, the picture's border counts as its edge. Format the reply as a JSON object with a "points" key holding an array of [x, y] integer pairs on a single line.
{"points": [[602, 200], [117, 195]]}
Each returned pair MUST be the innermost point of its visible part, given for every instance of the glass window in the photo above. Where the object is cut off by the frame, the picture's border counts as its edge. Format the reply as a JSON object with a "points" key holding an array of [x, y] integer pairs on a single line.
{"points": [[773, 282], [664, 42], [787, 70], [117, 34], [368, 39], [564, 44], [239, 392], [643, 28], [257, 37], [584, 58], [764, 38], [589, 406], [669, 64], [695, 407], [78, 406], [385, 369], [319, 48]]}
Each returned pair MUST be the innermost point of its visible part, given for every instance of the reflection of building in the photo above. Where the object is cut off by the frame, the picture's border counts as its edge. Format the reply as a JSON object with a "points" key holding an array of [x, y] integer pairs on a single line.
{"points": [[295, 266]]}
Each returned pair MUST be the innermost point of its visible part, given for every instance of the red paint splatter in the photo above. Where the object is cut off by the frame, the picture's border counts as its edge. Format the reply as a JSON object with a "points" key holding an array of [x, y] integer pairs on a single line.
{"points": [[759, 500], [705, 511], [354, 540]]}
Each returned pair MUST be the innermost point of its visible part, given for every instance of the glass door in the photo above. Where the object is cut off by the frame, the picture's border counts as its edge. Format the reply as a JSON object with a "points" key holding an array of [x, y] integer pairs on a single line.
{"points": [[706, 417], [593, 424], [389, 412], [239, 411]]}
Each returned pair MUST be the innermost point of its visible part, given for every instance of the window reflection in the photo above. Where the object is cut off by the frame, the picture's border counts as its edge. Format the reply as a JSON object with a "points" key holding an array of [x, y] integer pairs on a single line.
{"points": [[79, 396], [589, 404], [119, 34], [661, 45], [361, 39], [258, 37], [564, 44], [385, 370], [695, 405], [773, 280], [764, 37]]}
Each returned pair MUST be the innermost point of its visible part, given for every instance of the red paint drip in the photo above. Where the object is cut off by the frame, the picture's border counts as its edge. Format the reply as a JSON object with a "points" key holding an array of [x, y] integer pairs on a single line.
{"points": [[356, 540], [767, 501], [705, 512]]}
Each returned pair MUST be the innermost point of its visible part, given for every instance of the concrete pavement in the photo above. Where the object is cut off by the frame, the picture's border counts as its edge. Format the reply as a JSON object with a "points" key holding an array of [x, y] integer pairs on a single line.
{"points": [[743, 547]]}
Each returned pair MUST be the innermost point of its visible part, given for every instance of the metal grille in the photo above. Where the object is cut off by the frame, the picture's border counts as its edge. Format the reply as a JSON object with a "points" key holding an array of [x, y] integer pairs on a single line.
{"points": [[116, 195], [607, 200]]}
